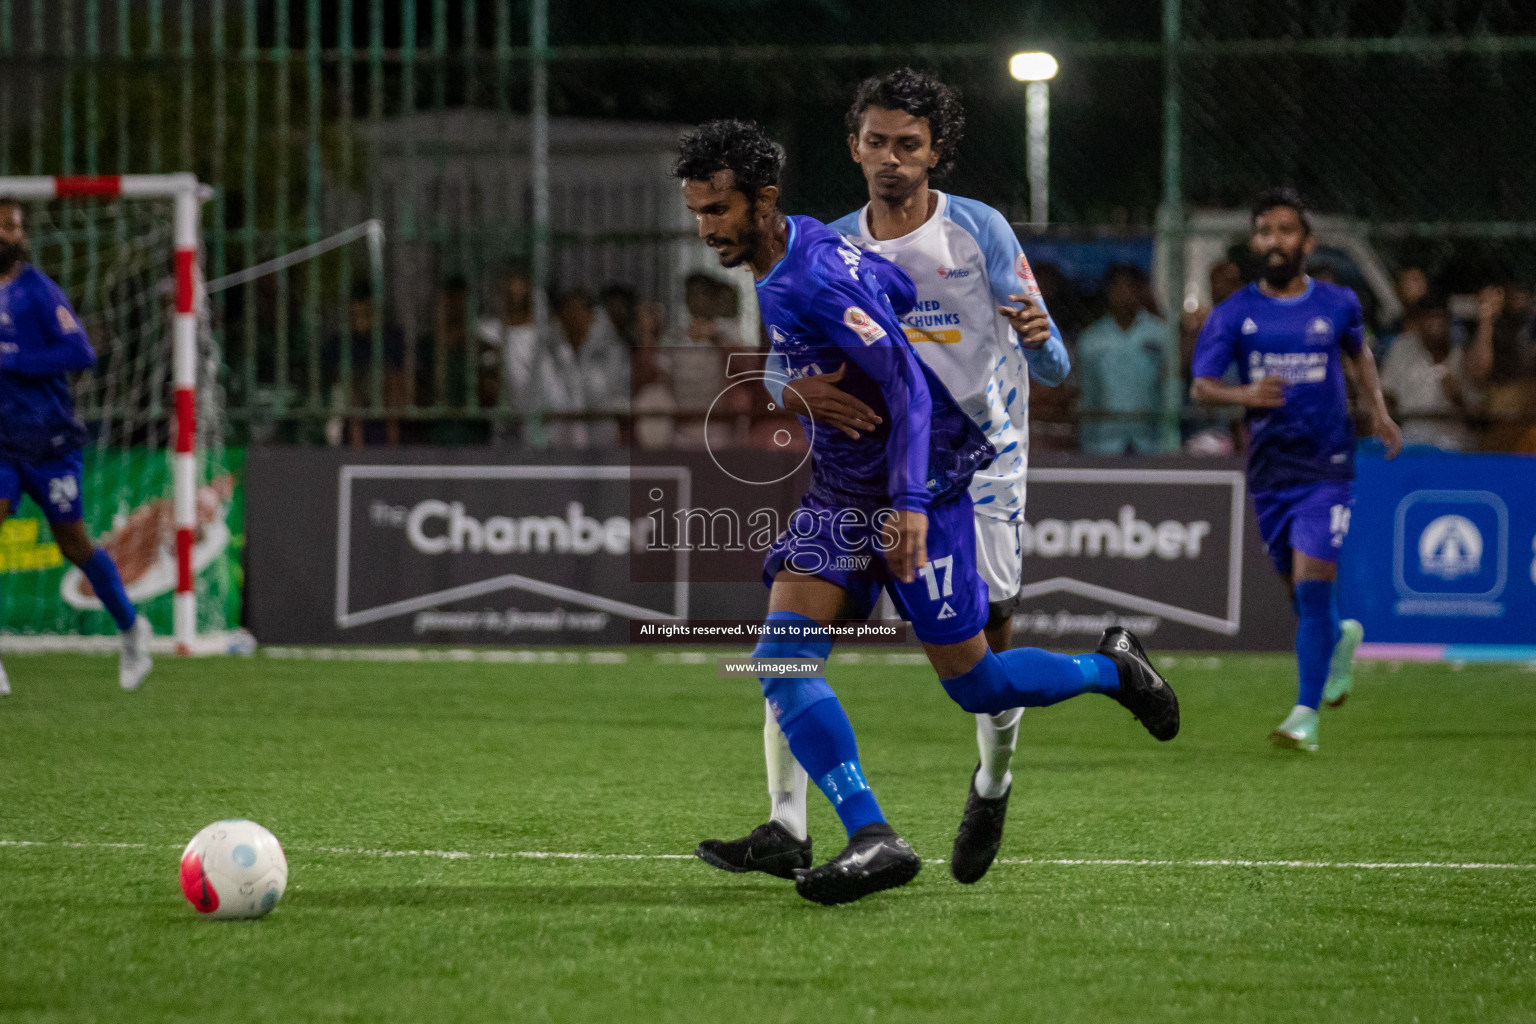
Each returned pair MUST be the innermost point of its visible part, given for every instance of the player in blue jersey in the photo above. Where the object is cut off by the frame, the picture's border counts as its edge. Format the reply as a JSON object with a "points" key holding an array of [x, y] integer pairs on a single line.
{"points": [[1291, 338], [888, 508], [981, 325], [41, 344]]}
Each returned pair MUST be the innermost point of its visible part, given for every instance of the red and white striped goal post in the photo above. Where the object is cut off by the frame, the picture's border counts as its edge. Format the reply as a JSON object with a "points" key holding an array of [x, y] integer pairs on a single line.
{"points": [[188, 195]]}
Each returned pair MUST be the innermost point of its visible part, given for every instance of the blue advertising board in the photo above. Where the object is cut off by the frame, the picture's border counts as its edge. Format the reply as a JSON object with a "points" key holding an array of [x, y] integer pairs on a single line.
{"points": [[1442, 551]]}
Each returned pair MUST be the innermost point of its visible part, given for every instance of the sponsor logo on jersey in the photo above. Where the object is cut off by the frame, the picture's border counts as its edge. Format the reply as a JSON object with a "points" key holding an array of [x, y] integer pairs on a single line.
{"points": [[952, 273], [1319, 331], [917, 335], [1249, 327], [66, 320], [859, 322], [1295, 367]]}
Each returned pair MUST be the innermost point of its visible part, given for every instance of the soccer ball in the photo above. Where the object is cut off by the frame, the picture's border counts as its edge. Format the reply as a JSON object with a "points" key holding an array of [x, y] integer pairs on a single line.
{"points": [[232, 869]]}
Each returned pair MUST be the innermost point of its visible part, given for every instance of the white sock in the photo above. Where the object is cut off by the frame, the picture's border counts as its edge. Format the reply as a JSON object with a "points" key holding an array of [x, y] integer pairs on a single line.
{"points": [[997, 736], [786, 779]]}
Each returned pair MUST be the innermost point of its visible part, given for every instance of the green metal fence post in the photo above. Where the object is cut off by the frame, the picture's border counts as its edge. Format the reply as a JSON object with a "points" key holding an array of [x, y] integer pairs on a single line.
{"points": [[1171, 214]]}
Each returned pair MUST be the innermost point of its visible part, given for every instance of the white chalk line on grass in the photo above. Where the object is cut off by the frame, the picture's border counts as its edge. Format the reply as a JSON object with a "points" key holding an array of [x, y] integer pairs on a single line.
{"points": [[1070, 862]]}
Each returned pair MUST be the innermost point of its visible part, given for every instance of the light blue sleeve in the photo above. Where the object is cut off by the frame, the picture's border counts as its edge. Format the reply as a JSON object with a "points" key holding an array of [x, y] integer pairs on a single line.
{"points": [[1008, 273], [775, 376], [848, 224]]}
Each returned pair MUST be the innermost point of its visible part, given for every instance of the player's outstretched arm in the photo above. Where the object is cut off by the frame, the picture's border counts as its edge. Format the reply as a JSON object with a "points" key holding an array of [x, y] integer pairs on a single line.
{"points": [[1382, 425]]}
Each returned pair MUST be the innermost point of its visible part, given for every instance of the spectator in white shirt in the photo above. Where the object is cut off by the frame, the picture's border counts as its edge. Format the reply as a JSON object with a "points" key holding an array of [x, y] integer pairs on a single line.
{"points": [[1423, 378], [513, 335]]}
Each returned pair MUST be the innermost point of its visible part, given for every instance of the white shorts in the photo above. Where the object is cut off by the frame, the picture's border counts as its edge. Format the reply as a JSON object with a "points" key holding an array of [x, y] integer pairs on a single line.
{"points": [[999, 557]]}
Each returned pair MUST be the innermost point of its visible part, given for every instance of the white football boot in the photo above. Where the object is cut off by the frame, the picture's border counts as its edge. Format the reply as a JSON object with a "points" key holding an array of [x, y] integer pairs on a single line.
{"points": [[135, 662], [5, 683], [1298, 731]]}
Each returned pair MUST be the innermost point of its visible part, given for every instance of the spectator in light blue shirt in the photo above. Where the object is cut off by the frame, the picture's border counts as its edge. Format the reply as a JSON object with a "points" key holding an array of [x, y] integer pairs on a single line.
{"points": [[1122, 362]]}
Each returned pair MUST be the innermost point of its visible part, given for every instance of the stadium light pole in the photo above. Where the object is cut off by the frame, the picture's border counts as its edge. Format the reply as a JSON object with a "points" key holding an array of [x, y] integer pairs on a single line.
{"points": [[1037, 69]]}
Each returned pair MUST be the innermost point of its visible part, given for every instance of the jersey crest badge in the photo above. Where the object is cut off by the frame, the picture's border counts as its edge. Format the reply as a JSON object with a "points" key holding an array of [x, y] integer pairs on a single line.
{"points": [[1319, 331], [1249, 327], [859, 322]]}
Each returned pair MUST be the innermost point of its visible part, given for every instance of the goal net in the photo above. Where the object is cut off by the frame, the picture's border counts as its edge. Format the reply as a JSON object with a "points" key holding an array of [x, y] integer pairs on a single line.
{"points": [[161, 493]]}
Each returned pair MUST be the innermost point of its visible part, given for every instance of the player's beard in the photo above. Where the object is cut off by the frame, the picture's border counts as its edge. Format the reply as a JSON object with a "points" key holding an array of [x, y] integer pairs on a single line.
{"points": [[744, 244], [11, 253], [1278, 275]]}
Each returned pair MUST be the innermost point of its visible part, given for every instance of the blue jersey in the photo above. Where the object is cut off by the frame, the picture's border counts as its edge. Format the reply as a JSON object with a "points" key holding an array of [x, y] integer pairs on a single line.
{"points": [[1311, 437], [827, 304], [41, 343]]}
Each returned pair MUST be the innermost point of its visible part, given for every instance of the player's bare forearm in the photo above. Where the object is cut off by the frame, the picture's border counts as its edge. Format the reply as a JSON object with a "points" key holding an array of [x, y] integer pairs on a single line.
{"points": [[819, 398], [1268, 393], [1382, 426]]}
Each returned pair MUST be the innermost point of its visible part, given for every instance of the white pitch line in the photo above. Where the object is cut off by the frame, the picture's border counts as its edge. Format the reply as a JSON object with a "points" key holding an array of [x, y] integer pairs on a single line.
{"points": [[1428, 865], [1072, 862]]}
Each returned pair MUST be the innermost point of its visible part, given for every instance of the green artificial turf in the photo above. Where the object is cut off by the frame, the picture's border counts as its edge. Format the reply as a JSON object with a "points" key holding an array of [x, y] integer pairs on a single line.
{"points": [[1425, 764]]}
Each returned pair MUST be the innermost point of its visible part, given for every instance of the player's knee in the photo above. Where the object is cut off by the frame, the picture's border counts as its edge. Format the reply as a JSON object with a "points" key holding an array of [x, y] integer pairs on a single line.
{"points": [[75, 548], [789, 698], [978, 690]]}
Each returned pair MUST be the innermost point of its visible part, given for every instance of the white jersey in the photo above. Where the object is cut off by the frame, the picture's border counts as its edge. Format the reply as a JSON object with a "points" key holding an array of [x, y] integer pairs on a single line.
{"points": [[965, 261]]}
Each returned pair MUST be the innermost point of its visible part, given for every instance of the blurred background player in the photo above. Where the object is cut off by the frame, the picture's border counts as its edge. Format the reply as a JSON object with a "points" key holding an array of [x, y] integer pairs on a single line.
{"points": [[969, 273], [41, 344], [899, 491], [1290, 337]]}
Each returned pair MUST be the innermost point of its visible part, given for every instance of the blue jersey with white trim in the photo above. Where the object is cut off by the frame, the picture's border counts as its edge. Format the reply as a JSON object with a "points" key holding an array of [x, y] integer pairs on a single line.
{"points": [[1311, 437], [41, 344], [827, 304]]}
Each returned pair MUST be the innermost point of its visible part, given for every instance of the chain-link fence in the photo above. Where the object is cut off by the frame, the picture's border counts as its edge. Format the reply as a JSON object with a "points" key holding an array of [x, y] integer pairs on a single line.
{"points": [[1411, 121]]}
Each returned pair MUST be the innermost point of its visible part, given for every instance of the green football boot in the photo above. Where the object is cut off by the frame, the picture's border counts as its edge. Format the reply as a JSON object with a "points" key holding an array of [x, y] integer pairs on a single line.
{"points": [[1298, 731], [1341, 670]]}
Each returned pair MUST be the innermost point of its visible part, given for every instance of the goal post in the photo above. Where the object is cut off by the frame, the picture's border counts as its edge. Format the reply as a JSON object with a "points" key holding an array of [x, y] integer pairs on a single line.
{"points": [[120, 292]]}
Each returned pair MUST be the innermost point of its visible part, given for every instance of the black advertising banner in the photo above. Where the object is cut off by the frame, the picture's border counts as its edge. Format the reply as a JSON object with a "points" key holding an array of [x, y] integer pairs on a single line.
{"points": [[507, 547], [423, 546], [1165, 547]]}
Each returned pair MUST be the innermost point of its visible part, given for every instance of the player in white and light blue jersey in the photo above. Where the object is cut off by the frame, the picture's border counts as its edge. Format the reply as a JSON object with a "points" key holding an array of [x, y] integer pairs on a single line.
{"points": [[980, 323], [887, 510]]}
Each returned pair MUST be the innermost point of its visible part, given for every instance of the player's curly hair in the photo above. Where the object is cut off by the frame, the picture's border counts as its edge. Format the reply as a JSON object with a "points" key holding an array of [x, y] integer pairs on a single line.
{"points": [[741, 147], [1281, 195], [921, 95]]}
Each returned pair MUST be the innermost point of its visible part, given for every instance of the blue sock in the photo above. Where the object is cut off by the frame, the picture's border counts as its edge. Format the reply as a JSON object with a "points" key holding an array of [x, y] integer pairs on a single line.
{"points": [[1031, 678], [102, 573], [819, 733], [1317, 633]]}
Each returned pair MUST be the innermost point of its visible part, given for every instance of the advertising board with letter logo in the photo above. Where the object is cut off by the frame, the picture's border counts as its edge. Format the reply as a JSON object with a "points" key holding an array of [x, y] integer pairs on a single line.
{"points": [[1164, 547], [1443, 550], [424, 546]]}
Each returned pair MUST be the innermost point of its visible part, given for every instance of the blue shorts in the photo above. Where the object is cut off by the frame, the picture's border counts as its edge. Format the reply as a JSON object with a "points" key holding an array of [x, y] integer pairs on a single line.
{"points": [[54, 485], [1310, 518], [947, 601]]}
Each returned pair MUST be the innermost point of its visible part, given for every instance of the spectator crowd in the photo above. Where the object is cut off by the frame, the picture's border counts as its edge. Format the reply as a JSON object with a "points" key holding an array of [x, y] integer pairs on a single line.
{"points": [[613, 369]]}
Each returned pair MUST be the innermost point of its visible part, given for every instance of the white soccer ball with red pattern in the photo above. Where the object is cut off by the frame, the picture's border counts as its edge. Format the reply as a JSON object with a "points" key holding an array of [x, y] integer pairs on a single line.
{"points": [[234, 869]]}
